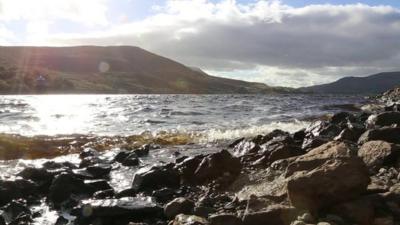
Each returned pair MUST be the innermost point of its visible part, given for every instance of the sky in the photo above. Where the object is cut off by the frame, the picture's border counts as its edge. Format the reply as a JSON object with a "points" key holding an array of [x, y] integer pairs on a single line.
{"points": [[281, 43]]}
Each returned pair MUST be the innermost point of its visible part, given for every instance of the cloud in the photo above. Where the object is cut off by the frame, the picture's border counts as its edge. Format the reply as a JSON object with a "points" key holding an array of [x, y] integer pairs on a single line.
{"points": [[264, 41], [89, 12]]}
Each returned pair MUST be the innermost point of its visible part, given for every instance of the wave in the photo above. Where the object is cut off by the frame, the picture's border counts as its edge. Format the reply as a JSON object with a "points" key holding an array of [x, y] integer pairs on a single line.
{"points": [[17, 146], [214, 135]]}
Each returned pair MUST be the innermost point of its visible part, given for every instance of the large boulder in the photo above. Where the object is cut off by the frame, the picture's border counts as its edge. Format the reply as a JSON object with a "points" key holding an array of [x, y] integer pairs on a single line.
{"points": [[389, 134], [317, 156], [149, 179], [333, 181], [384, 119], [106, 211], [375, 154]]}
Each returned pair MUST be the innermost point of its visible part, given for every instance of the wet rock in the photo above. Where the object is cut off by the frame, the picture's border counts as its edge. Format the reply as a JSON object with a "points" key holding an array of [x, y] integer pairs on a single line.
{"points": [[178, 206], [274, 215], [108, 210], [182, 219], [88, 152], [99, 170], [40, 176], [224, 219], [15, 189], [313, 142], [148, 179], [142, 151], [388, 134], [333, 181], [64, 185], [130, 192], [235, 142], [15, 210], [61, 221], [121, 156], [341, 118], [2, 221], [245, 148], [131, 160], [216, 165], [188, 167], [164, 194], [97, 185], [384, 119], [280, 148], [103, 194], [348, 134], [375, 154], [203, 211]]}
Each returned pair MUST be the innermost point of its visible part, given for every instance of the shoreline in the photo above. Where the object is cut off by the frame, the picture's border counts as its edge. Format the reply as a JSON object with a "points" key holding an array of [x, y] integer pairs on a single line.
{"points": [[336, 171]]}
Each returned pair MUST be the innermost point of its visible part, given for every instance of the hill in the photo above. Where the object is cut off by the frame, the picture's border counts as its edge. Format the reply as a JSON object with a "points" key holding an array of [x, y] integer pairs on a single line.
{"points": [[372, 84], [117, 69]]}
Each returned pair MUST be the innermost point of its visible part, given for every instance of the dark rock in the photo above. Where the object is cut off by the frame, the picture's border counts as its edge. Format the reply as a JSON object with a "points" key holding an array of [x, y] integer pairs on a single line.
{"points": [[103, 194], [235, 142], [40, 176], [178, 206], [187, 168], [359, 211], [131, 160], [336, 180], [245, 148], [15, 189], [149, 179], [121, 156], [203, 211], [313, 142], [388, 134], [105, 210], [61, 221], [98, 185], [224, 219], [348, 134], [275, 215], [163, 194], [14, 210], [376, 154], [299, 136], [2, 221], [217, 165], [130, 192], [99, 170], [64, 185], [88, 152], [341, 118], [142, 151], [384, 119]]}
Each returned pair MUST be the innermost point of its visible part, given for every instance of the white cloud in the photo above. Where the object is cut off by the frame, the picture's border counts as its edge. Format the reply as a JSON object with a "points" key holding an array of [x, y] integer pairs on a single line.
{"points": [[89, 12], [263, 41]]}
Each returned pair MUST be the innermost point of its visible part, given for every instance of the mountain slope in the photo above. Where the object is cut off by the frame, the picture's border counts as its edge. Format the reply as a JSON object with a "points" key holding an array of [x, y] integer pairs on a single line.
{"points": [[117, 69], [373, 84]]}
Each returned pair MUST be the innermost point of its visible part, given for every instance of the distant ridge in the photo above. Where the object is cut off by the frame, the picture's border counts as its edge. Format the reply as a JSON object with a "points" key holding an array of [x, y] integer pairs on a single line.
{"points": [[116, 69], [372, 84]]}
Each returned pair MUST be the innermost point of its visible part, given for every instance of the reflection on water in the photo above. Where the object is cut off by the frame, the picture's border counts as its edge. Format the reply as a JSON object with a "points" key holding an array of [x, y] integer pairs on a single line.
{"points": [[218, 116]]}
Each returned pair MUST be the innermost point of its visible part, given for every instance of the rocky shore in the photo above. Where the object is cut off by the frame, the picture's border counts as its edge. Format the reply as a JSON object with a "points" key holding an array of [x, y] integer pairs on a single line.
{"points": [[338, 171]]}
